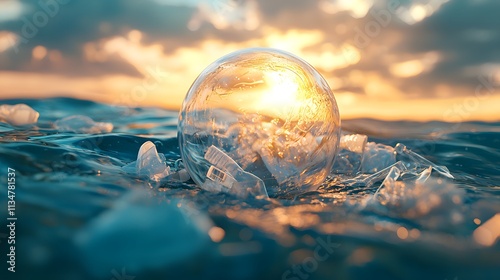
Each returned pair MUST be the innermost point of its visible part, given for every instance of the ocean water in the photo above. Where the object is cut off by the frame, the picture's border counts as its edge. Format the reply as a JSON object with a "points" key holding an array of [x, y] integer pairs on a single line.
{"points": [[80, 216]]}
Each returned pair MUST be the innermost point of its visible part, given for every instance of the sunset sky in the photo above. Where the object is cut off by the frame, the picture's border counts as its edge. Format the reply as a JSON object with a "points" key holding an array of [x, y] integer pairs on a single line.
{"points": [[387, 59]]}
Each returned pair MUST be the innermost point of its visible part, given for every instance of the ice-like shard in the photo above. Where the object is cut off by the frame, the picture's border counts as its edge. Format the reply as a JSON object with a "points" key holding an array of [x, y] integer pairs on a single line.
{"points": [[351, 149], [424, 175], [20, 114], [181, 175], [377, 157], [435, 203], [149, 163], [82, 124], [418, 161], [285, 153], [227, 176], [353, 142], [357, 155], [391, 177]]}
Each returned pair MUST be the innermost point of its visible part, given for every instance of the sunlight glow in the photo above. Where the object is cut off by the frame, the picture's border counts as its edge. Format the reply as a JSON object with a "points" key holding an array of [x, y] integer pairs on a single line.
{"points": [[283, 90], [7, 40], [167, 75], [39, 52], [488, 233], [407, 69], [420, 10], [356, 8]]}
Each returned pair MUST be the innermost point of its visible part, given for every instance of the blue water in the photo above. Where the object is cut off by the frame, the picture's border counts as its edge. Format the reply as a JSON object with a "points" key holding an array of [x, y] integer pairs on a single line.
{"points": [[79, 216]]}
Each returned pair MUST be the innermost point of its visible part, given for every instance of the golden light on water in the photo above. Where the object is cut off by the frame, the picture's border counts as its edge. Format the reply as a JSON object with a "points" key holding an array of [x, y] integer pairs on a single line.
{"points": [[39, 52], [402, 233], [216, 234], [7, 40], [489, 232]]}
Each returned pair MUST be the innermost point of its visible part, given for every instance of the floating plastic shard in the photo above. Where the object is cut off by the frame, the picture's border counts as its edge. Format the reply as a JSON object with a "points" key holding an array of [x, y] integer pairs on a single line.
{"points": [[362, 163], [268, 111], [150, 163], [153, 165], [82, 124], [417, 161], [357, 155], [20, 114], [226, 175], [351, 150]]}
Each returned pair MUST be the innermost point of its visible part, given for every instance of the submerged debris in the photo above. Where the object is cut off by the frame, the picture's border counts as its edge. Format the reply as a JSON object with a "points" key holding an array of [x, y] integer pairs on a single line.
{"points": [[20, 114]]}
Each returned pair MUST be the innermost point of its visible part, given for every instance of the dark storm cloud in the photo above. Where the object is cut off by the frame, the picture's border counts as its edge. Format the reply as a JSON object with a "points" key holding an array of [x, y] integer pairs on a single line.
{"points": [[68, 27], [465, 33]]}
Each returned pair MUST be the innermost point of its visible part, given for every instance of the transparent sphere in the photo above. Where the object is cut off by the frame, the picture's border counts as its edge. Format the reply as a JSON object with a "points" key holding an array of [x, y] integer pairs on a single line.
{"points": [[267, 111]]}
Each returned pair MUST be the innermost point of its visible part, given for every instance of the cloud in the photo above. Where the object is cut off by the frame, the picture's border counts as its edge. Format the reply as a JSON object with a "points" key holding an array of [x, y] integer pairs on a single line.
{"points": [[381, 49]]}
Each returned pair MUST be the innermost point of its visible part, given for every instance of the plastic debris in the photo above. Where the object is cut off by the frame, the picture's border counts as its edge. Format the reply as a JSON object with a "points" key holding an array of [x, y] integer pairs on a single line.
{"points": [[149, 163], [419, 161], [82, 124], [435, 203], [152, 165], [20, 114], [377, 157], [351, 150], [356, 155], [226, 175]]}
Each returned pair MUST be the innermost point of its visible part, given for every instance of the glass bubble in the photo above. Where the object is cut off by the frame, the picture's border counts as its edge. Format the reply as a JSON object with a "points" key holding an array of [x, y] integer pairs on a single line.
{"points": [[269, 114]]}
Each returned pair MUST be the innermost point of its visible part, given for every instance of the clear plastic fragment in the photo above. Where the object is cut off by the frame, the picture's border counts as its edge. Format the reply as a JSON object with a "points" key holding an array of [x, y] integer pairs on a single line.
{"points": [[391, 177], [227, 176], [419, 161], [353, 142], [19, 114], [150, 163], [424, 175], [181, 175], [351, 149], [82, 124], [377, 157]]}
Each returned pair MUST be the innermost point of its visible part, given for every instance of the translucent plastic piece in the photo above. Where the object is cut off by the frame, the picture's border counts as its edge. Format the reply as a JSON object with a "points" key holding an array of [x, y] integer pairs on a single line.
{"points": [[289, 150], [368, 181], [424, 175], [226, 175], [351, 149], [377, 157], [82, 124], [269, 111], [149, 163], [419, 161], [436, 203], [355, 143], [391, 177], [181, 175], [20, 114]]}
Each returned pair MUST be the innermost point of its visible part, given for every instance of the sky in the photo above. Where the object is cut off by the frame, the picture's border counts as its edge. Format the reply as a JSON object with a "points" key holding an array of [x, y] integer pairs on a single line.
{"points": [[389, 59]]}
